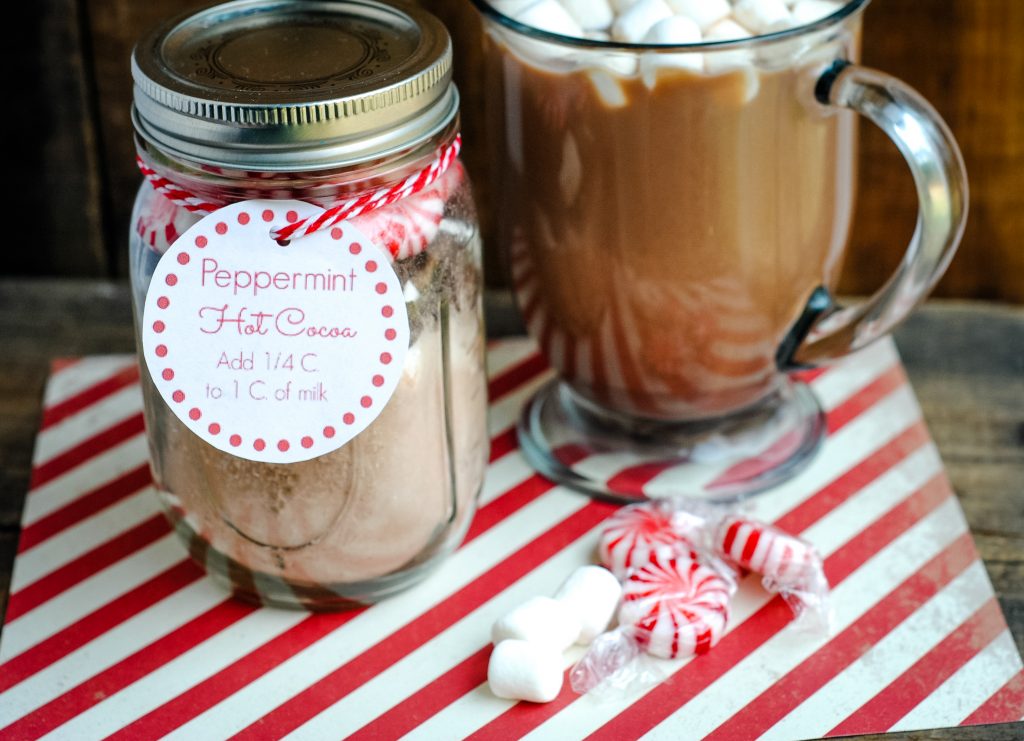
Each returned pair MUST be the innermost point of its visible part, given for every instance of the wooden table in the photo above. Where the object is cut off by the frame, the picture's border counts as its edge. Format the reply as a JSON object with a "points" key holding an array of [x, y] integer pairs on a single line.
{"points": [[965, 360]]}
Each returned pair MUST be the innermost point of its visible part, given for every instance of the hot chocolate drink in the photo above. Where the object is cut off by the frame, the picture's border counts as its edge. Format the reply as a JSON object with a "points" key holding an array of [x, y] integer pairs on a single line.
{"points": [[675, 183], [669, 214]]}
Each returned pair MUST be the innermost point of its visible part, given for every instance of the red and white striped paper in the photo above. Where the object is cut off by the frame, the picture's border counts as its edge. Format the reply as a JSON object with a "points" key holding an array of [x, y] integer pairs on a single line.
{"points": [[112, 631]]}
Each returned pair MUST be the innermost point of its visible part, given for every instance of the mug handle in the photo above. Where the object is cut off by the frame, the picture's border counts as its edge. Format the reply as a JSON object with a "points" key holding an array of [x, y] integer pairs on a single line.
{"points": [[825, 331]]}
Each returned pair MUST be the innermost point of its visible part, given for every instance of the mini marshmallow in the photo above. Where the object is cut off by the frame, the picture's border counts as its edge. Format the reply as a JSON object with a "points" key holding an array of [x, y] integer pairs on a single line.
{"points": [[549, 15], [634, 24], [677, 29], [593, 593], [705, 13], [539, 620], [511, 8], [763, 16], [717, 62], [608, 88], [620, 65], [591, 15], [809, 11], [520, 670], [621, 6], [727, 30], [548, 55]]}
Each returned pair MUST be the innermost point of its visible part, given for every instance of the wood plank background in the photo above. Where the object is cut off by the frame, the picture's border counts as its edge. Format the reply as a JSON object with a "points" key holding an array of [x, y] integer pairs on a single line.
{"points": [[72, 137]]}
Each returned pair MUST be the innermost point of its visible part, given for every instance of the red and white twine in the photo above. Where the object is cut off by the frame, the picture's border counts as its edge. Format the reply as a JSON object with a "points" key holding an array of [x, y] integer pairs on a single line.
{"points": [[346, 209]]}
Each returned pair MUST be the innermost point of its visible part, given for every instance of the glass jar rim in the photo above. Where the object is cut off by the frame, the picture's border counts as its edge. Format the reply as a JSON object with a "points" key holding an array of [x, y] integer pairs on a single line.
{"points": [[376, 79], [849, 8]]}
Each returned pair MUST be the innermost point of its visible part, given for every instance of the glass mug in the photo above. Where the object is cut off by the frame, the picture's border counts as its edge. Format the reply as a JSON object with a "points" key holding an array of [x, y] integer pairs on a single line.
{"points": [[675, 219]]}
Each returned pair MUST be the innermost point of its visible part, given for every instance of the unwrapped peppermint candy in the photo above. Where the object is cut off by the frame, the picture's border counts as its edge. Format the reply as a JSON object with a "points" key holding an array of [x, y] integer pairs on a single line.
{"points": [[675, 606]]}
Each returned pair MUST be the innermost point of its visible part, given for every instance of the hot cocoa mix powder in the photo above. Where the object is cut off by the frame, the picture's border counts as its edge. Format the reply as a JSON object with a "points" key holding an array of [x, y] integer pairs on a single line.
{"points": [[390, 499]]}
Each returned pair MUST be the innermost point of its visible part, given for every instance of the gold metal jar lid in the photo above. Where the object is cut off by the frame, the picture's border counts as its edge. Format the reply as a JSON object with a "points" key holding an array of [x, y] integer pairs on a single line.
{"points": [[293, 84]]}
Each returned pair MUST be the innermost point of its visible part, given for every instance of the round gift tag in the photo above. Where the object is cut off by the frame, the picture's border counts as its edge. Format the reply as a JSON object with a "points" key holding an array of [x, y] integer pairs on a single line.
{"points": [[274, 352]]}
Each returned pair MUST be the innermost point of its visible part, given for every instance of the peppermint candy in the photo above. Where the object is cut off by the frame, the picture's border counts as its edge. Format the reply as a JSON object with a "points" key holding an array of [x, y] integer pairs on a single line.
{"points": [[407, 227], [160, 226], [785, 560], [635, 532], [674, 606]]}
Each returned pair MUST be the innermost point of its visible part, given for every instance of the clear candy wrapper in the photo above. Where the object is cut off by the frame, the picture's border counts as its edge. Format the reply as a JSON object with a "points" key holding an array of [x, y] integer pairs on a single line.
{"points": [[616, 666], [608, 662]]}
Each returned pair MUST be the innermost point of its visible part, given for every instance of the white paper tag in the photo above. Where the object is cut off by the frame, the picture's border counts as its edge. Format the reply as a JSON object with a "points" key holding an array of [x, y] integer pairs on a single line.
{"points": [[274, 353]]}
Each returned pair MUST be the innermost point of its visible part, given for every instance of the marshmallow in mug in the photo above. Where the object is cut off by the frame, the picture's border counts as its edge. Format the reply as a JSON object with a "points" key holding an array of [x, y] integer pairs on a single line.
{"points": [[809, 11], [631, 27], [675, 29], [590, 15], [632, 21], [730, 59], [705, 13], [763, 16], [665, 22], [550, 15]]}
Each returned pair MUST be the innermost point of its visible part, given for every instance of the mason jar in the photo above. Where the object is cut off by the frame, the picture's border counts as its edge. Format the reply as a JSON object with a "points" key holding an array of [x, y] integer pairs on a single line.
{"points": [[306, 280]]}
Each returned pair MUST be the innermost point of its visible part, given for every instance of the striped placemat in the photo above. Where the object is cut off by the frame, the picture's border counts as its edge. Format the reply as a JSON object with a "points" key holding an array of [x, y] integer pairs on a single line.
{"points": [[112, 631]]}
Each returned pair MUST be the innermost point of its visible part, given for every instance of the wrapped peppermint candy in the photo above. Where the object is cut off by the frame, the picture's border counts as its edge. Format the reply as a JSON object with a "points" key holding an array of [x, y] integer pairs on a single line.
{"points": [[790, 566]]}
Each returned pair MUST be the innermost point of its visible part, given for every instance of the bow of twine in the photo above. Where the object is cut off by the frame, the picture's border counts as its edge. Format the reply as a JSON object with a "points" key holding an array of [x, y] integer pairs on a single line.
{"points": [[340, 211]]}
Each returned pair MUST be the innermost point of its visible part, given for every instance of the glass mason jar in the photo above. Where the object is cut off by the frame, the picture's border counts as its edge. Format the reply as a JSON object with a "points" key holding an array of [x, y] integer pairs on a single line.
{"points": [[320, 103]]}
